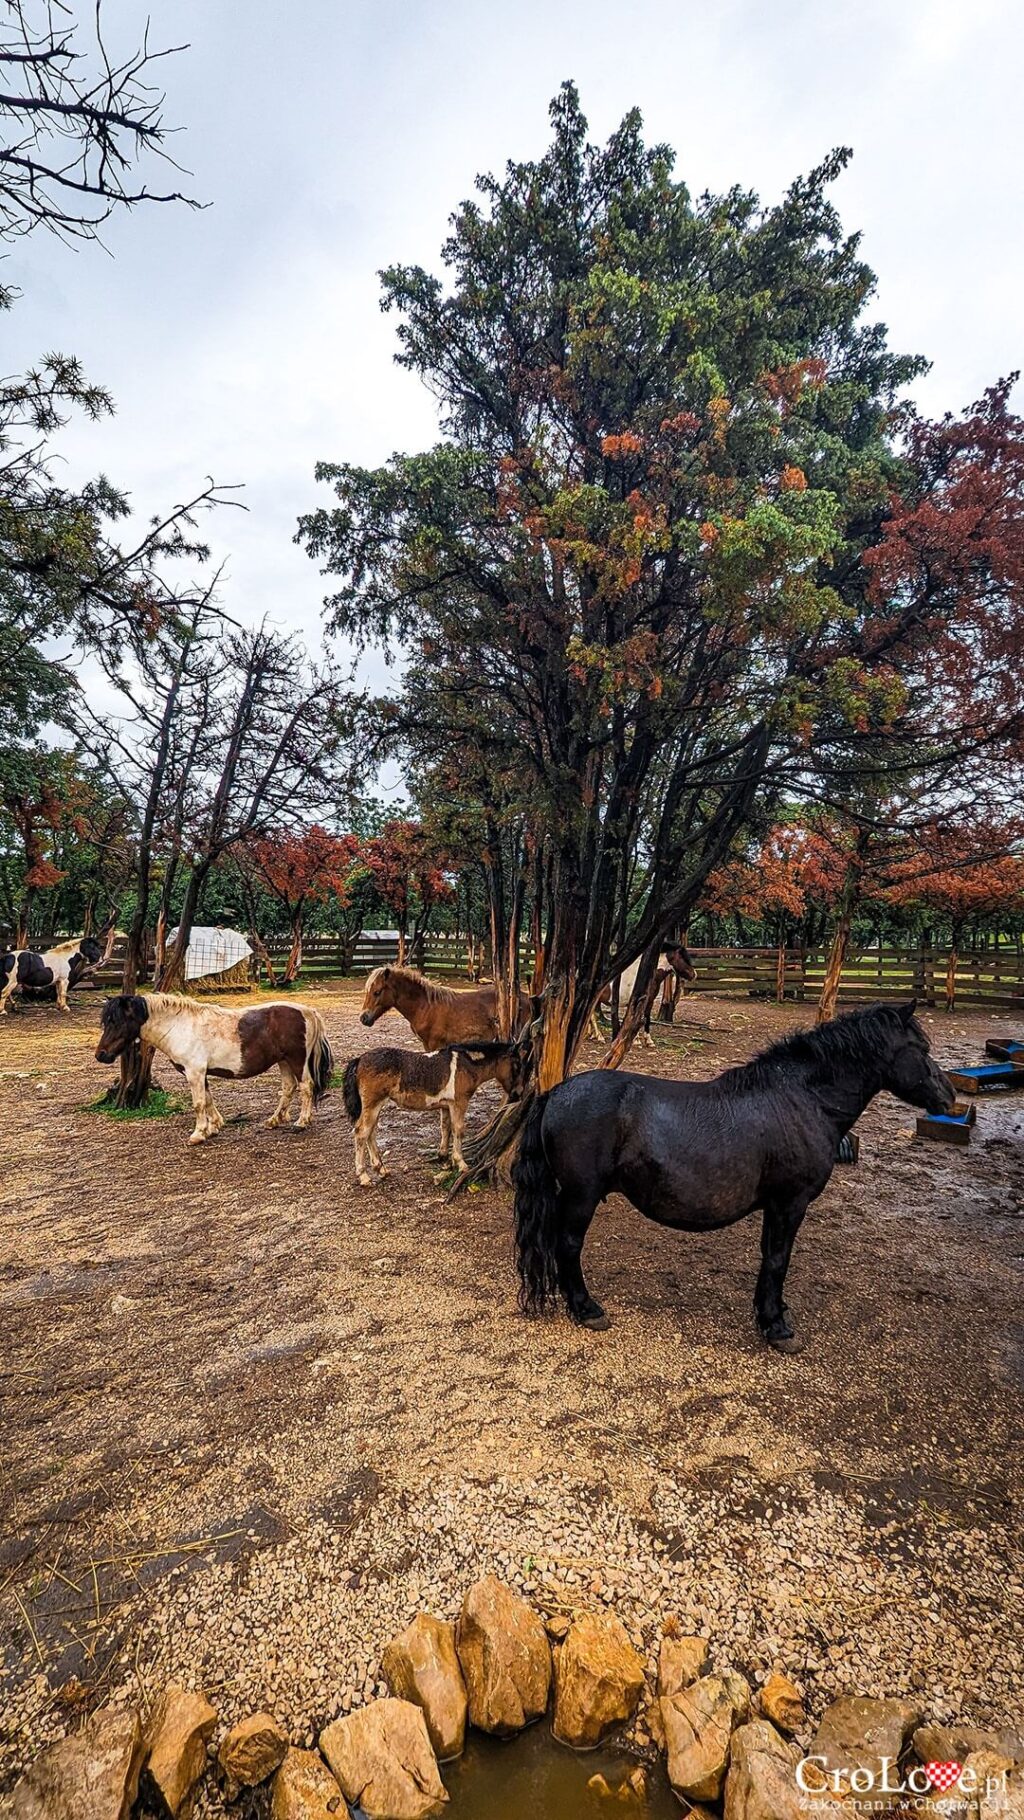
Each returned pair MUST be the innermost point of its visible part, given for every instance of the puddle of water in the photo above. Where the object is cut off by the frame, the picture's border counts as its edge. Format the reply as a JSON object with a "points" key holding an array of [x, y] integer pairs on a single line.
{"points": [[532, 1775]]}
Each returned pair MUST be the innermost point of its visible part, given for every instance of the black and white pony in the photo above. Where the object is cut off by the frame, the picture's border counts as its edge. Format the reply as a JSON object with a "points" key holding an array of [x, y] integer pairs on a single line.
{"points": [[21, 969]]}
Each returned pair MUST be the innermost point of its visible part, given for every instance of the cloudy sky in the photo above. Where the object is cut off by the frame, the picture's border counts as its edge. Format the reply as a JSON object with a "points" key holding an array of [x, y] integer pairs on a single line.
{"points": [[331, 137]]}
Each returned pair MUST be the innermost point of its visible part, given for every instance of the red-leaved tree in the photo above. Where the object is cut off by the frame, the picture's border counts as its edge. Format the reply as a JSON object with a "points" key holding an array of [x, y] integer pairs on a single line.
{"points": [[410, 874], [300, 869], [963, 883]]}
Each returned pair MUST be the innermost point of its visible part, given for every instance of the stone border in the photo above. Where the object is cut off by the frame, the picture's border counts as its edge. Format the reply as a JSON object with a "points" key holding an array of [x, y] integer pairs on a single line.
{"points": [[495, 1669]]}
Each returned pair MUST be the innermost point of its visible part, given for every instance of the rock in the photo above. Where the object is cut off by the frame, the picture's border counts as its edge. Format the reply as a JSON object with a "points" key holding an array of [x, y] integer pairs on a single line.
{"points": [[954, 1743], [782, 1703], [632, 1790], [91, 1775], [739, 1695], [422, 1665], [762, 1785], [304, 1789], [383, 1759], [856, 1733], [1000, 1794], [176, 1738], [598, 1680], [557, 1626], [984, 1790], [252, 1751], [680, 1661], [698, 1726], [505, 1658]]}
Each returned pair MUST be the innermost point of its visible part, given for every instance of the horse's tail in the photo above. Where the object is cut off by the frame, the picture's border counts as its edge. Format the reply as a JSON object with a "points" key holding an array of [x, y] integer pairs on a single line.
{"points": [[350, 1090], [536, 1187], [319, 1060]]}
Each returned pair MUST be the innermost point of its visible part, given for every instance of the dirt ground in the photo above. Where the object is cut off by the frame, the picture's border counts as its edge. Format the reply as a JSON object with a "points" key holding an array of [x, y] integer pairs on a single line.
{"points": [[254, 1416]]}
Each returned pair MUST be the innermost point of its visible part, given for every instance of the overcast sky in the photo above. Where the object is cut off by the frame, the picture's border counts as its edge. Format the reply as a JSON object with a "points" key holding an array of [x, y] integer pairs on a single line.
{"points": [[332, 137]]}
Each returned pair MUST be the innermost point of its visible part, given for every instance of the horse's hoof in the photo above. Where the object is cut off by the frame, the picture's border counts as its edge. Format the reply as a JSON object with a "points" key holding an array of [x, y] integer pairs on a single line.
{"points": [[366, 1181], [198, 1137], [786, 1342]]}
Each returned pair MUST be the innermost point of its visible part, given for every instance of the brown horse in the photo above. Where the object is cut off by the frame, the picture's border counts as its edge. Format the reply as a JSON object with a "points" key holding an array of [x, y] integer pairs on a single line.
{"points": [[437, 1014], [415, 1082]]}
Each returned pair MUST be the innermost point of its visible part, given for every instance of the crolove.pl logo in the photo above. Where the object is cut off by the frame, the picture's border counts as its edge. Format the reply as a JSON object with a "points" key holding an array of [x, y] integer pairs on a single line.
{"points": [[869, 1790]]}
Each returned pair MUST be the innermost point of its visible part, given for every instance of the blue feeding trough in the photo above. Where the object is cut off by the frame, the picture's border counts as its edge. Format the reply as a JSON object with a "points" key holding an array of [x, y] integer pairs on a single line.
{"points": [[1005, 1049], [987, 1077], [948, 1127]]}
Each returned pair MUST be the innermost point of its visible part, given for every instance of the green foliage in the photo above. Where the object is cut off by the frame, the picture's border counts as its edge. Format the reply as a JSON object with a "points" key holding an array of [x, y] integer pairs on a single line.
{"points": [[625, 577], [158, 1105]]}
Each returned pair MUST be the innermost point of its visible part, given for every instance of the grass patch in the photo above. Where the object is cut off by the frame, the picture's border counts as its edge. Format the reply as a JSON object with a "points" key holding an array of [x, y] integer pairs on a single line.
{"points": [[159, 1105]]}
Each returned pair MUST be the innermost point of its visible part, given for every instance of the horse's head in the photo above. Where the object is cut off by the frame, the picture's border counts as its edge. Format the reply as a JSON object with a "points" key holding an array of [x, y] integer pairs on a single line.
{"points": [[378, 995], [515, 1069], [87, 955], [908, 1070], [679, 958], [121, 1024]]}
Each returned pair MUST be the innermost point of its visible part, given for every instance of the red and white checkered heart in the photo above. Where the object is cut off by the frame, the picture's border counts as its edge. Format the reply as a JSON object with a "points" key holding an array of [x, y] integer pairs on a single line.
{"points": [[943, 1775]]}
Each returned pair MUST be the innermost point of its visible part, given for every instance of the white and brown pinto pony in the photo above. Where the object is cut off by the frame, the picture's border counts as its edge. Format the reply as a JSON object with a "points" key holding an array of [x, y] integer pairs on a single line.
{"points": [[21, 969], [447, 1079], [202, 1040], [673, 963]]}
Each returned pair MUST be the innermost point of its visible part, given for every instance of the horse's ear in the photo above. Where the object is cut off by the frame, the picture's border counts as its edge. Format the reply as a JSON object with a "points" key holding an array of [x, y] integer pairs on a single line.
{"points": [[907, 1011]]}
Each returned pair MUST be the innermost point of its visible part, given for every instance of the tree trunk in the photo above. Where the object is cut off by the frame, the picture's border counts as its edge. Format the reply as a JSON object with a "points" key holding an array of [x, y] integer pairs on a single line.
{"points": [[952, 963], [21, 933], [263, 951], [642, 998], [780, 971], [160, 943], [557, 1046], [537, 924], [833, 972], [135, 1080], [170, 975], [294, 961]]}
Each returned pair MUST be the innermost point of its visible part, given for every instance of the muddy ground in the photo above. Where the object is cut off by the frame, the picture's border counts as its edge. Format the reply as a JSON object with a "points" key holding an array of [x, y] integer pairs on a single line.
{"points": [[252, 1415]]}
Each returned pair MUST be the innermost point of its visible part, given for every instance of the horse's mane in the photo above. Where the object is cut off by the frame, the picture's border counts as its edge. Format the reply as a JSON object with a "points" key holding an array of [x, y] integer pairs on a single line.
{"points": [[855, 1037], [71, 946], [174, 1001], [434, 992]]}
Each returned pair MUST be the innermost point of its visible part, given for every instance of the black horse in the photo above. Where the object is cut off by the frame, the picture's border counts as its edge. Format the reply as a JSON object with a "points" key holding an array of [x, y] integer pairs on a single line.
{"points": [[702, 1154]]}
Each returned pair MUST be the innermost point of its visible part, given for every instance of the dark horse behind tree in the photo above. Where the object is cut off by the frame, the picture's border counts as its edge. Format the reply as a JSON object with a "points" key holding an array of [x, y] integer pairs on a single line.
{"points": [[701, 1154]]}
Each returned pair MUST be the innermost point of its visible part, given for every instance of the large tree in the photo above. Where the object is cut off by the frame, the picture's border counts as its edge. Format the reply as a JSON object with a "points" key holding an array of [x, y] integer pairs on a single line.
{"points": [[630, 579]]}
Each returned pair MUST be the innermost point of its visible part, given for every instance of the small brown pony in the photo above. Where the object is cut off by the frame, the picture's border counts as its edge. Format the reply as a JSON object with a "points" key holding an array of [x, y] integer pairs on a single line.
{"points": [[438, 1015], [447, 1079]]}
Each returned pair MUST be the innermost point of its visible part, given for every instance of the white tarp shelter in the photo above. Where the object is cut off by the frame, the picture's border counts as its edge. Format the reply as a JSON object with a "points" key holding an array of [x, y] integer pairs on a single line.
{"points": [[214, 950]]}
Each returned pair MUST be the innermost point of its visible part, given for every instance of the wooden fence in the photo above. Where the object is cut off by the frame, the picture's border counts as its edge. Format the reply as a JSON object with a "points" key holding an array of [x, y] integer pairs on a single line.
{"points": [[992, 978]]}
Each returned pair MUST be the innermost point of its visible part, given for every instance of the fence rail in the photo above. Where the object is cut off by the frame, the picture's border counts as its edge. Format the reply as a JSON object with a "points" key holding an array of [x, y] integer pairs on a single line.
{"points": [[992, 978]]}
